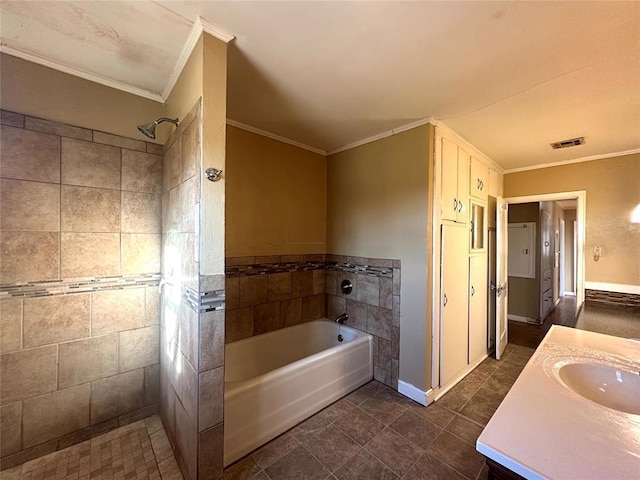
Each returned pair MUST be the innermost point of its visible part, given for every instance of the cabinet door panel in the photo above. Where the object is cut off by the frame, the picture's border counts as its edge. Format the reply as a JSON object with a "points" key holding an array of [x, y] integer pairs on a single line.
{"points": [[479, 179], [463, 186], [477, 307], [454, 304], [449, 168]]}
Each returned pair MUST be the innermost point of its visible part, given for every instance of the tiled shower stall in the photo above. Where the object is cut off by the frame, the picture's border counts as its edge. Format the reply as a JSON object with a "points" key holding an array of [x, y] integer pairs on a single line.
{"points": [[80, 264]]}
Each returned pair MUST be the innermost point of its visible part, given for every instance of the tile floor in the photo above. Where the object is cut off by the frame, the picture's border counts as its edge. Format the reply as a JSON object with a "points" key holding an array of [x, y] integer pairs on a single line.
{"points": [[376, 433], [138, 451]]}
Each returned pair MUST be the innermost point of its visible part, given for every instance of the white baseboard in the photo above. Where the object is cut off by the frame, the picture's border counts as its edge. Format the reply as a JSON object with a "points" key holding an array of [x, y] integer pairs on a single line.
{"points": [[613, 287], [569, 294], [414, 393], [518, 318]]}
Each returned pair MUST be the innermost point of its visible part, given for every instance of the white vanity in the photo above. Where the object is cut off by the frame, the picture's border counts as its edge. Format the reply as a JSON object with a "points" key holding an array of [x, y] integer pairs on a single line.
{"points": [[573, 413]]}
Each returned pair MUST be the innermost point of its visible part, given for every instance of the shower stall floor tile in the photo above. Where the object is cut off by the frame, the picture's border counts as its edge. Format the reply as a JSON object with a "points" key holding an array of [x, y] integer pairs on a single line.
{"points": [[127, 452]]}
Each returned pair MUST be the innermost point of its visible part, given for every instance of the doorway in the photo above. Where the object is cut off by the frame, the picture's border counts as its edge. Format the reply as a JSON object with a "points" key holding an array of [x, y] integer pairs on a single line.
{"points": [[563, 274]]}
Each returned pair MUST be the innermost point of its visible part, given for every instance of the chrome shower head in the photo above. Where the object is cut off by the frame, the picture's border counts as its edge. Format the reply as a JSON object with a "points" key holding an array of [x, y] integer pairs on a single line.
{"points": [[149, 129]]}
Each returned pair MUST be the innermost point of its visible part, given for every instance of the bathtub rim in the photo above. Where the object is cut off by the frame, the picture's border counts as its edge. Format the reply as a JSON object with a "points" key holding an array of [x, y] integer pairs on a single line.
{"points": [[232, 388]]}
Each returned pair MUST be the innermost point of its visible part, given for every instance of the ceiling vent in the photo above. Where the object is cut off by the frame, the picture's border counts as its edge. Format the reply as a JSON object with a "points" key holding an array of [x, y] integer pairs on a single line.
{"points": [[568, 143]]}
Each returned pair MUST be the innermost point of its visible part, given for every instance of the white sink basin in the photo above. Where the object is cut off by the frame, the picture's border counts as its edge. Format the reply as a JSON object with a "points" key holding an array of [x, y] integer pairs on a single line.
{"points": [[610, 384]]}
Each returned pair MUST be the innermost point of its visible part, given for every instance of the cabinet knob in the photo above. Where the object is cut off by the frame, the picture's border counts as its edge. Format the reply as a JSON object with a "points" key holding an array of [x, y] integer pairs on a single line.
{"points": [[459, 206], [446, 300], [455, 204], [473, 290]]}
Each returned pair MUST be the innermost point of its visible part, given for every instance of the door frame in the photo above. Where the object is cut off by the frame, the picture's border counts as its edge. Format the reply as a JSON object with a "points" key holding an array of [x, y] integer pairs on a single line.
{"points": [[579, 233]]}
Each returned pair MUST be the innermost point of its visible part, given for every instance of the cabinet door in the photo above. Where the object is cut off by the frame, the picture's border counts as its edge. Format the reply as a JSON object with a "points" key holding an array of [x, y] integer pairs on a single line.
{"points": [[479, 179], [463, 186], [454, 306], [495, 183], [449, 168], [477, 307]]}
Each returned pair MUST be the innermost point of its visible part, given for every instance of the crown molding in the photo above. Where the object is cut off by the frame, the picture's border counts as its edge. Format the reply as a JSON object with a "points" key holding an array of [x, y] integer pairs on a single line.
{"points": [[200, 25], [77, 72], [575, 160], [273, 136], [388, 133], [215, 30]]}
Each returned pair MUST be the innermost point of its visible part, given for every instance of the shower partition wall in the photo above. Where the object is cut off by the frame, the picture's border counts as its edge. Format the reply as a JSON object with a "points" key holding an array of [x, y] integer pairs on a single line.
{"points": [[192, 331]]}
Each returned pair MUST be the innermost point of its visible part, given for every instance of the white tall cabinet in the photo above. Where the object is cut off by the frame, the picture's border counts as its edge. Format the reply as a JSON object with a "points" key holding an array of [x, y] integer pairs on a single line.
{"points": [[464, 180], [455, 302]]}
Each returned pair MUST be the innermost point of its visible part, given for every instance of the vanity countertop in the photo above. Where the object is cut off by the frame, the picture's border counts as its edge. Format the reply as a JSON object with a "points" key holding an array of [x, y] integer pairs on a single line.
{"points": [[543, 430]]}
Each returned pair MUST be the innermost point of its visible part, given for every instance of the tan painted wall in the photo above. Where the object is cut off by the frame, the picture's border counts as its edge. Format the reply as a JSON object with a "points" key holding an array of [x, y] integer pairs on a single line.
{"points": [[378, 206], [32, 89], [613, 190], [187, 90], [213, 150], [276, 197]]}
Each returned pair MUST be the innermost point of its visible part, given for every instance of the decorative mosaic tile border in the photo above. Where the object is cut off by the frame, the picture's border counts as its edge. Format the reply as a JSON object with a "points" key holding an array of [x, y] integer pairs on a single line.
{"points": [[50, 288], [266, 268], [385, 272], [202, 302], [612, 298]]}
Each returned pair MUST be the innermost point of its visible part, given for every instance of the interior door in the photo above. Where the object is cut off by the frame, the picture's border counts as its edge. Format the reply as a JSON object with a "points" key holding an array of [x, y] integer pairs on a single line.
{"points": [[501, 276]]}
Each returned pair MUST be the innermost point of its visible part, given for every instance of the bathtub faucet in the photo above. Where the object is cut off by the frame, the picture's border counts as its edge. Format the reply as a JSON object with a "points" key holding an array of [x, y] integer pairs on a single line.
{"points": [[342, 318]]}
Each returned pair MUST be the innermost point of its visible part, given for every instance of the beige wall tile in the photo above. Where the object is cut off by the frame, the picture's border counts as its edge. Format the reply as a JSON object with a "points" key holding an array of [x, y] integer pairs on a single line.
{"points": [[90, 164], [210, 453], [117, 395], [232, 292], [211, 340], [28, 155], [188, 333], [211, 398], [117, 310], [368, 290], [152, 384], [154, 148], [87, 360], [55, 319], [89, 254], [238, 324], [312, 307], [28, 256], [141, 213], [141, 172], [266, 318], [318, 281], [302, 283], [187, 438], [56, 128], [189, 272], [141, 252], [290, 312], [10, 428], [55, 414], [171, 167], [85, 209], [118, 141], [188, 393], [10, 325], [138, 348], [253, 290], [152, 306], [12, 119], [209, 283], [26, 205], [27, 373], [190, 151], [279, 286], [379, 321]]}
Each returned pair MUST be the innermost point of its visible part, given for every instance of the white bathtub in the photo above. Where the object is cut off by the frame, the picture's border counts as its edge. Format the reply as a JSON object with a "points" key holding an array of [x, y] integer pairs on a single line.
{"points": [[275, 380]]}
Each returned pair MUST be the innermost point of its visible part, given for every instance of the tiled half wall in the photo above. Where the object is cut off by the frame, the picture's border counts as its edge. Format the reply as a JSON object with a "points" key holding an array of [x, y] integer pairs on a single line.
{"points": [[192, 331], [266, 293], [79, 269]]}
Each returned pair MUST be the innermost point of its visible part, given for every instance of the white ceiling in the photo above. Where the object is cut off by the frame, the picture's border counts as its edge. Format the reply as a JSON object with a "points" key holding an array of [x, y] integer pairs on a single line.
{"points": [[510, 77]]}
